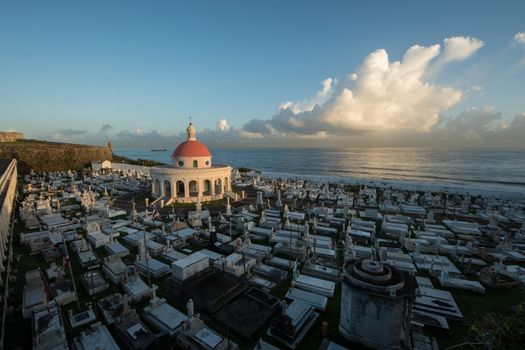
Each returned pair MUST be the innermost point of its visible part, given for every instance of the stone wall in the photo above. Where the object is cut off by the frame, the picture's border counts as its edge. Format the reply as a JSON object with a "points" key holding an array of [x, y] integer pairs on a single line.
{"points": [[6, 136], [52, 156]]}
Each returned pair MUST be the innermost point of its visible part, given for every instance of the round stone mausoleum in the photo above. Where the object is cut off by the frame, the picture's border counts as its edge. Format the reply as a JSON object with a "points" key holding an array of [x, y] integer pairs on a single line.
{"points": [[192, 176], [376, 304]]}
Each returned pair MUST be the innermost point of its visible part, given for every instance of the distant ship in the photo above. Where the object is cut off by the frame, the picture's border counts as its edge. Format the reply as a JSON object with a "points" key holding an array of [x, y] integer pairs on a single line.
{"points": [[158, 150]]}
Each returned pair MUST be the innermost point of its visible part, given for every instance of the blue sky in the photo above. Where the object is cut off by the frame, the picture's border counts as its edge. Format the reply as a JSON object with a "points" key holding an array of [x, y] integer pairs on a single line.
{"points": [[69, 68]]}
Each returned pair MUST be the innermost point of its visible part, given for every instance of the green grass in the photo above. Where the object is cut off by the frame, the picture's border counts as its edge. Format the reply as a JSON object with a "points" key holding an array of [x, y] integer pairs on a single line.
{"points": [[22, 263], [474, 306]]}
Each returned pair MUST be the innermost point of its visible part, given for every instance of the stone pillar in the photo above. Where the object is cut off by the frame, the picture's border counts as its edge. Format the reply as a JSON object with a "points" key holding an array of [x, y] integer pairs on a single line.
{"points": [[186, 188], [213, 186], [200, 183], [173, 188]]}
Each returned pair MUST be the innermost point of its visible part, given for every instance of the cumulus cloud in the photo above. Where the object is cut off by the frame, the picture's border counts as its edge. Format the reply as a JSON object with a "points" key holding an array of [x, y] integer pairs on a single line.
{"points": [[382, 95], [320, 98], [484, 127], [459, 48], [67, 134], [384, 102], [519, 38], [474, 127], [105, 128], [519, 42], [222, 125], [472, 123]]}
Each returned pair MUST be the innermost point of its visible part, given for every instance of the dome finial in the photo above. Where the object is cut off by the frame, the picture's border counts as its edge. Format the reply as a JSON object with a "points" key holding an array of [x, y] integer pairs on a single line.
{"points": [[192, 134]]}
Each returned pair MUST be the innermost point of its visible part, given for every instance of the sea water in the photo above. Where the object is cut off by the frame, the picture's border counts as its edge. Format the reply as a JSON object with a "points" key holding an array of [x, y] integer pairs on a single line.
{"points": [[491, 170]]}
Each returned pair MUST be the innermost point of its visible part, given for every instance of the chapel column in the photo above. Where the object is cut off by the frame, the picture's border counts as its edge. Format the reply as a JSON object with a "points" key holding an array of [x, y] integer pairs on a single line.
{"points": [[200, 183], [186, 188]]}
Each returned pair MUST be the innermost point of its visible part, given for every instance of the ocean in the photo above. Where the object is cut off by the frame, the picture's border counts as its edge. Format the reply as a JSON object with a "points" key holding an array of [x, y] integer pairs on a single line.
{"points": [[477, 170]]}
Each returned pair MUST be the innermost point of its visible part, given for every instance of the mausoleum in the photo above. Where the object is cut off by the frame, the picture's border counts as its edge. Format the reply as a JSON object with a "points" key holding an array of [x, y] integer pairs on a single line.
{"points": [[376, 304], [192, 177]]}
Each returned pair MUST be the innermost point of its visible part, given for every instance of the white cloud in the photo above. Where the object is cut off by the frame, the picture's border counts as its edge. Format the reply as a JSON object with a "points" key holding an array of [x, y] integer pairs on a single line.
{"points": [[381, 95], [251, 135], [476, 88], [473, 120], [520, 37], [68, 134], [503, 126], [519, 41], [222, 125], [321, 97], [105, 128], [474, 127], [459, 48]]}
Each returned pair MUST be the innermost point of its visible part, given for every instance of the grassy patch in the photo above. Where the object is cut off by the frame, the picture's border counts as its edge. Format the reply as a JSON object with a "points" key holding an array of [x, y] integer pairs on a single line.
{"points": [[474, 306]]}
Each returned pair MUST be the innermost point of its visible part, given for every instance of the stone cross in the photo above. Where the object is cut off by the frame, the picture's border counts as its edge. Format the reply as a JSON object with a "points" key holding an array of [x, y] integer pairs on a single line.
{"points": [[154, 288], [228, 207], [125, 304], [278, 202], [284, 307], [142, 249], [295, 270], [190, 309]]}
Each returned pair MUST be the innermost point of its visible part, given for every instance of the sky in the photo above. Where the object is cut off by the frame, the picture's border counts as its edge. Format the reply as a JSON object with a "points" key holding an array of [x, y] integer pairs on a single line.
{"points": [[265, 74]]}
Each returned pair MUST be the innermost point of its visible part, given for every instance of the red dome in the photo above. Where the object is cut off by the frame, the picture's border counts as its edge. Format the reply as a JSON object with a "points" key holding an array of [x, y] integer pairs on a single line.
{"points": [[191, 148]]}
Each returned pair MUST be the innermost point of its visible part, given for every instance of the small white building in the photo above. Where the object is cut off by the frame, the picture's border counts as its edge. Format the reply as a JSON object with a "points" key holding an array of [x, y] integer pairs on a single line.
{"points": [[135, 286], [192, 177], [196, 335], [34, 295], [114, 269], [48, 329], [95, 337], [100, 165], [117, 249], [164, 317], [98, 239], [235, 264], [189, 266]]}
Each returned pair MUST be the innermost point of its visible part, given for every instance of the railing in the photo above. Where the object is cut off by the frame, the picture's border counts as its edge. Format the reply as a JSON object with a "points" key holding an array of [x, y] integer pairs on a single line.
{"points": [[232, 195], [157, 200], [10, 176]]}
